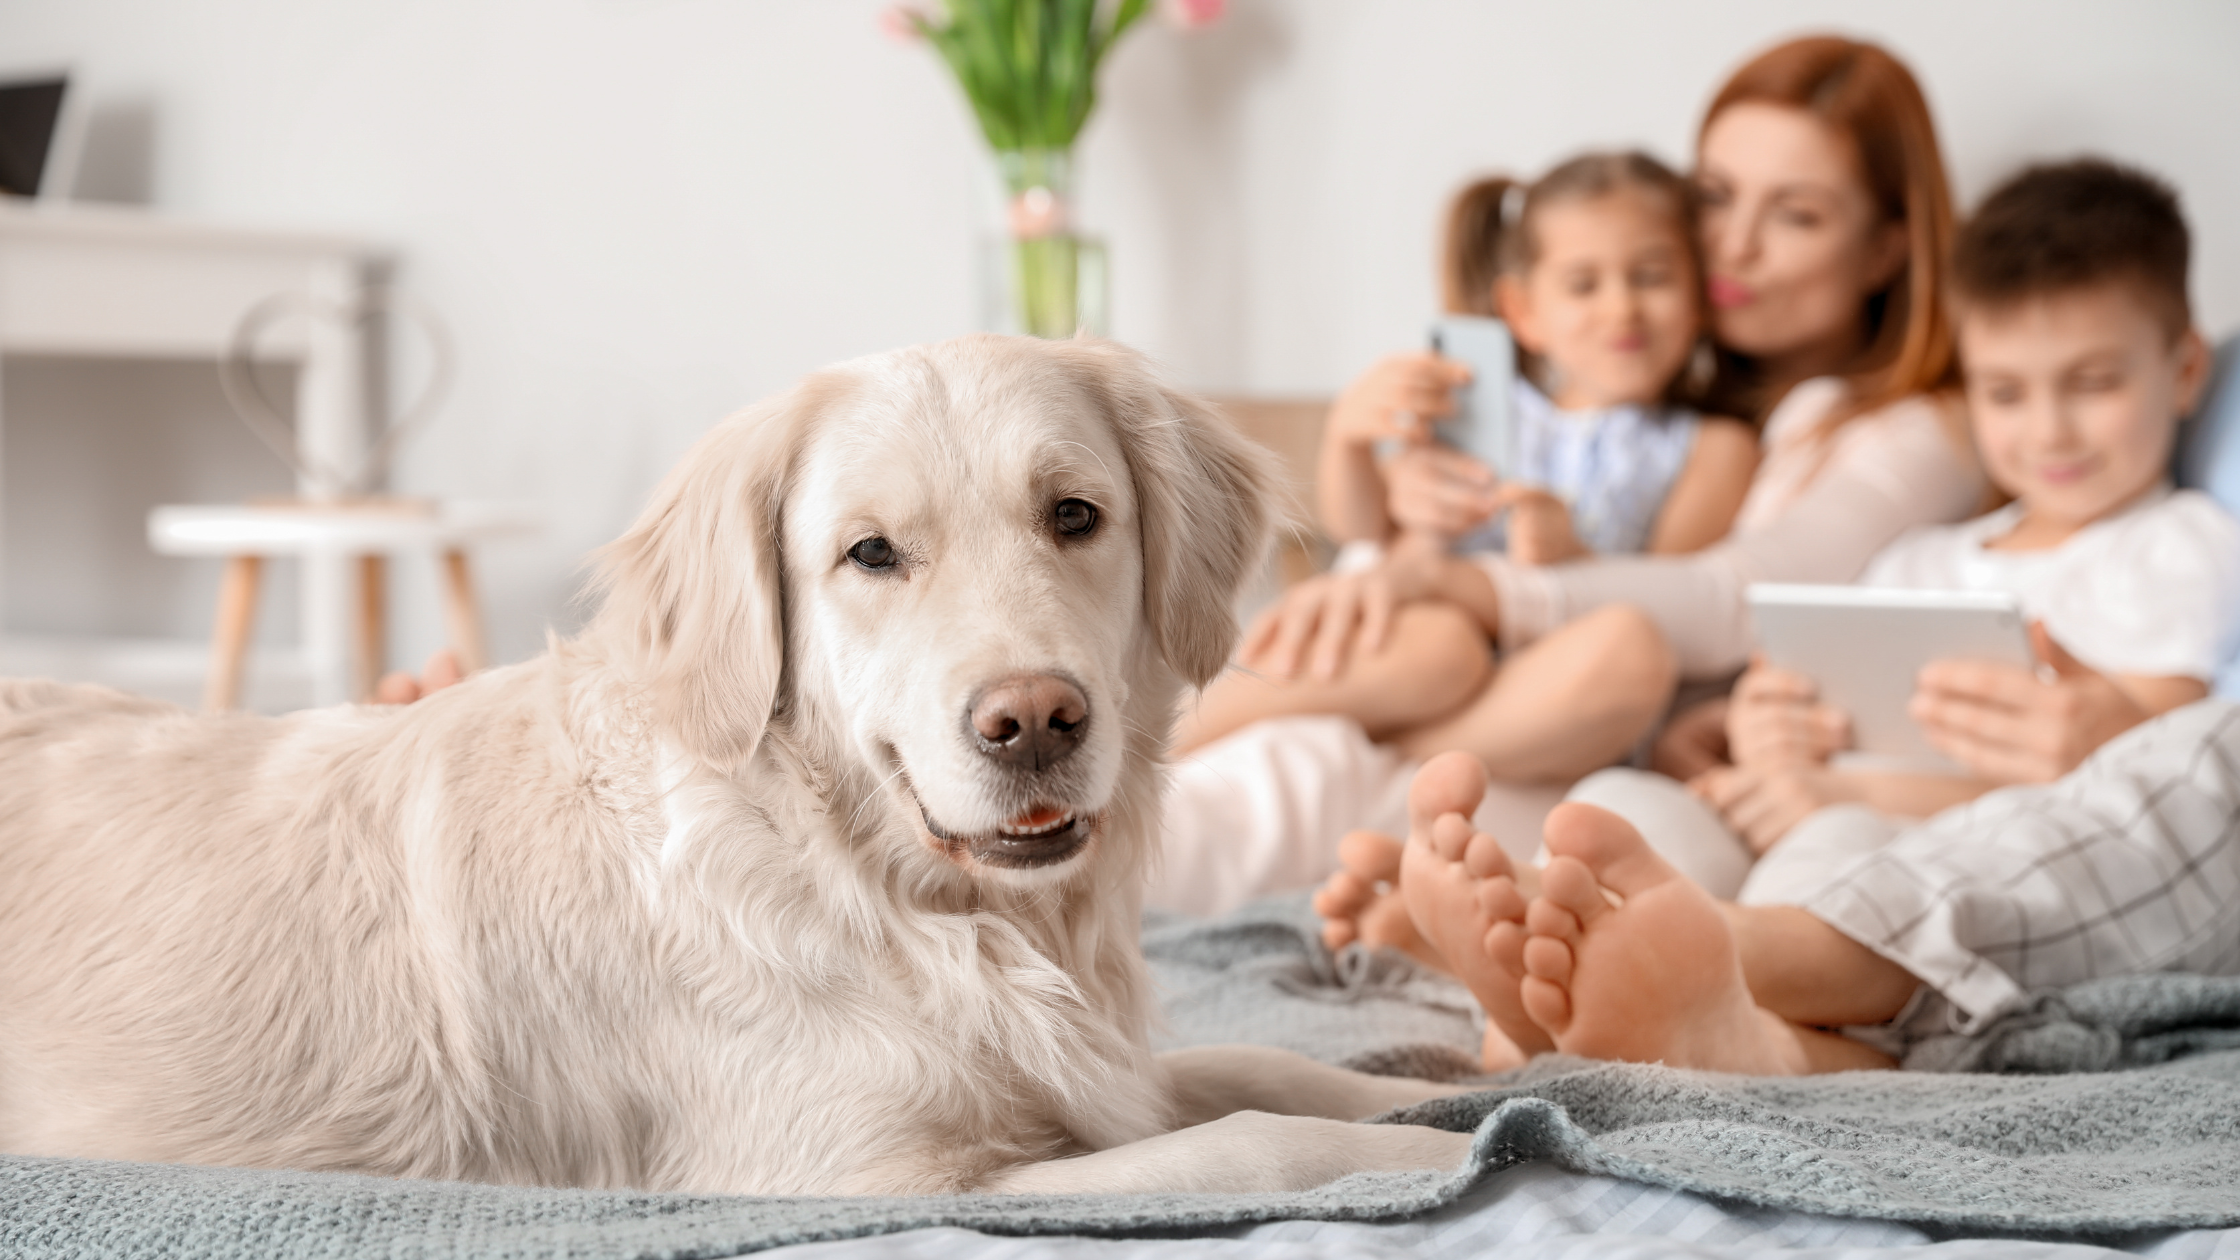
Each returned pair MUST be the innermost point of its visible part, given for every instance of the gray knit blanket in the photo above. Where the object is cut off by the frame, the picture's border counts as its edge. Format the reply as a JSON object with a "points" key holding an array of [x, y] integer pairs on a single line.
{"points": [[2102, 1110]]}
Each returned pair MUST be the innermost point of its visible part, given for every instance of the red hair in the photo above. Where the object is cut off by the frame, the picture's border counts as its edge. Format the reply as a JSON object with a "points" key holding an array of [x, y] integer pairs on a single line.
{"points": [[1867, 96]]}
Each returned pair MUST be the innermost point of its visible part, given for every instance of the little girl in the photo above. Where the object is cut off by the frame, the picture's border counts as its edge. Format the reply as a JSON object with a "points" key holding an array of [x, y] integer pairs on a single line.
{"points": [[1595, 268]]}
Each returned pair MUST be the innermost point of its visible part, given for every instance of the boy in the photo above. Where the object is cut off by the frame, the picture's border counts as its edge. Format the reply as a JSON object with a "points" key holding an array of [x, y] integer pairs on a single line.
{"points": [[2080, 356]]}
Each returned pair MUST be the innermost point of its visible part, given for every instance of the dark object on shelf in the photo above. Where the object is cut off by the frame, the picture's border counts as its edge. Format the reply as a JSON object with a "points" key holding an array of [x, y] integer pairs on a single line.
{"points": [[29, 110]]}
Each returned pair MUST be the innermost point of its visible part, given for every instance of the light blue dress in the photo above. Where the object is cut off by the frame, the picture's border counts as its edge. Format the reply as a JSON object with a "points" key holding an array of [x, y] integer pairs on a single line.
{"points": [[1614, 466]]}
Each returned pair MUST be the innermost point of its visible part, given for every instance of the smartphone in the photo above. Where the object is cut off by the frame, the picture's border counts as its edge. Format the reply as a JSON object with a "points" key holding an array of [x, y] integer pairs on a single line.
{"points": [[1481, 425]]}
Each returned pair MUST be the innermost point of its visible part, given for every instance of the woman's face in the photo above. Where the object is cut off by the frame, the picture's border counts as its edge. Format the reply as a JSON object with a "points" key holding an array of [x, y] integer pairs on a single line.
{"points": [[1793, 239]]}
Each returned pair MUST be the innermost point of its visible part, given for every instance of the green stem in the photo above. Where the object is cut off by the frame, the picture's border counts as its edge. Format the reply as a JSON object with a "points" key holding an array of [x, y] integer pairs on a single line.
{"points": [[1045, 258], [1046, 287]]}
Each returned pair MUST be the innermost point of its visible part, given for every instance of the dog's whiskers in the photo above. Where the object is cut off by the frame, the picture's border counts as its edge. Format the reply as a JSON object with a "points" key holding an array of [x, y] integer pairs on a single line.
{"points": [[870, 798]]}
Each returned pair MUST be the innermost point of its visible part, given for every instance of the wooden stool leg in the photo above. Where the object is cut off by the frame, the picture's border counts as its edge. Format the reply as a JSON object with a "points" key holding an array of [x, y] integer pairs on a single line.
{"points": [[460, 613], [229, 638], [373, 624]]}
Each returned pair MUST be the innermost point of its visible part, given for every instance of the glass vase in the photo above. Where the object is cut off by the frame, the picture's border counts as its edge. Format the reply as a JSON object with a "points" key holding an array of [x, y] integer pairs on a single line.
{"points": [[1043, 278]]}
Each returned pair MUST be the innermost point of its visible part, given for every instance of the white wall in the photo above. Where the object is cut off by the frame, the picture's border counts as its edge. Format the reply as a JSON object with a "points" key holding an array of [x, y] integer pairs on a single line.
{"points": [[641, 214]]}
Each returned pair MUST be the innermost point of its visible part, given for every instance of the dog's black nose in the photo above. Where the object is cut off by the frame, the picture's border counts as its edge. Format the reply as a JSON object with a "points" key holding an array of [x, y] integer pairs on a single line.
{"points": [[1033, 721]]}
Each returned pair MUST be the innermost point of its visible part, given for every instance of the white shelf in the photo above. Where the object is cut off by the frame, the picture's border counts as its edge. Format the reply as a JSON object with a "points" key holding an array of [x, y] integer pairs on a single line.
{"points": [[87, 281]]}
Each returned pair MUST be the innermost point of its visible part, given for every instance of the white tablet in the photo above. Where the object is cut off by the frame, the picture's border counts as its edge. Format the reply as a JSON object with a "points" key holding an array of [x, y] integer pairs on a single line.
{"points": [[1865, 645]]}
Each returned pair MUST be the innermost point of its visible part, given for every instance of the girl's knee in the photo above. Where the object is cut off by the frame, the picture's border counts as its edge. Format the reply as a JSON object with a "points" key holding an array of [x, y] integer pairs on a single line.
{"points": [[1625, 640], [1443, 640]]}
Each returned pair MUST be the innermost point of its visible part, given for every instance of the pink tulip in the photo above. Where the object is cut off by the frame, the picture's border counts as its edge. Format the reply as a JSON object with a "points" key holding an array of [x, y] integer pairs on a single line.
{"points": [[900, 23], [1036, 213], [1191, 15]]}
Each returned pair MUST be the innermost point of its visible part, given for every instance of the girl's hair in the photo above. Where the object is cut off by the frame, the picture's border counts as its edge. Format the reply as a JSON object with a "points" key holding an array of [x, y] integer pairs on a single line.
{"points": [[1492, 227], [1868, 97]]}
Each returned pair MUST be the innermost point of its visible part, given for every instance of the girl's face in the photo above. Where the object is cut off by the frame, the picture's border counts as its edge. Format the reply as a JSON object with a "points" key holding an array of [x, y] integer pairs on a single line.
{"points": [[1612, 305], [1792, 237]]}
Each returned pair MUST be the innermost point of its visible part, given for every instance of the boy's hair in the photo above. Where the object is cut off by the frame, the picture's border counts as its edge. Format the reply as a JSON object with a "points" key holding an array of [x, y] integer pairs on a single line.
{"points": [[2073, 225]]}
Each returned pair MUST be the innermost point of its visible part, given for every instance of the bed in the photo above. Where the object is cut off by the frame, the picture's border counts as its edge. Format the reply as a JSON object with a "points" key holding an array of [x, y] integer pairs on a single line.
{"points": [[2103, 1119], [2141, 1152]]}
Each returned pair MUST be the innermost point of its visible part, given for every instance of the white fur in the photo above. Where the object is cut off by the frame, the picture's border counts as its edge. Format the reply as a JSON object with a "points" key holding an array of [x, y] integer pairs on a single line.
{"points": [[661, 908]]}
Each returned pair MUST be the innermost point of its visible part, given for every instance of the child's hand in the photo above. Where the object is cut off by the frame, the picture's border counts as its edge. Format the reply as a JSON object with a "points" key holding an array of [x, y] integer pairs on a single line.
{"points": [[1694, 742], [1437, 490], [2010, 725], [1763, 805], [1777, 721], [1396, 398], [1540, 529]]}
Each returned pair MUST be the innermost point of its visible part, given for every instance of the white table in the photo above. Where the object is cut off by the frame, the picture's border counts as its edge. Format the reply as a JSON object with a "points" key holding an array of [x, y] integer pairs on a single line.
{"points": [[365, 534], [117, 283]]}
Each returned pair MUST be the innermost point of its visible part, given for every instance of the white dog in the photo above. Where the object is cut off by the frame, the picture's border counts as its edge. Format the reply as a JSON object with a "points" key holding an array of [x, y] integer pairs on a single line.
{"points": [[811, 867]]}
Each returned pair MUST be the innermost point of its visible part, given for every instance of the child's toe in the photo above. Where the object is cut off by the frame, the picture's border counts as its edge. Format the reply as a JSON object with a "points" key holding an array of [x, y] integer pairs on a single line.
{"points": [[1567, 883], [1370, 855], [1546, 1003], [1499, 899], [1505, 946], [1484, 857], [1549, 959], [1450, 836]]}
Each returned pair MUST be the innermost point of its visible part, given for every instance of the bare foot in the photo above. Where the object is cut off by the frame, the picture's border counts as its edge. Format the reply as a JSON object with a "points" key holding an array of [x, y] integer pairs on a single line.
{"points": [[1628, 959], [399, 687], [1463, 896], [1362, 901]]}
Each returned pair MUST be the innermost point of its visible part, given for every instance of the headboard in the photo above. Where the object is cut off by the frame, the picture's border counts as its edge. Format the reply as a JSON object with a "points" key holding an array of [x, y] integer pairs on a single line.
{"points": [[2208, 458]]}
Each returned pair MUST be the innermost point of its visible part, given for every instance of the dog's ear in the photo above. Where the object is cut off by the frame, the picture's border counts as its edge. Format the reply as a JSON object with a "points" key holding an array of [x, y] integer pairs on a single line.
{"points": [[693, 591], [1205, 496]]}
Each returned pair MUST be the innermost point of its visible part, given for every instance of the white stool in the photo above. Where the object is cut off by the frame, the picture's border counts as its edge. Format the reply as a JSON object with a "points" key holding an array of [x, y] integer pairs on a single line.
{"points": [[367, 530]]}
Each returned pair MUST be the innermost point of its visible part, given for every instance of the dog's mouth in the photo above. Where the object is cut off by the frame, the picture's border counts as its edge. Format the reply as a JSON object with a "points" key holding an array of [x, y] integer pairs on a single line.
{"points": [[1041, 835]]}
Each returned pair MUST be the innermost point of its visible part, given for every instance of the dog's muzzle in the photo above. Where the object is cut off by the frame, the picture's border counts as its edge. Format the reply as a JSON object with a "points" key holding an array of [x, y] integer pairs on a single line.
{"points": [[1043, 836]]}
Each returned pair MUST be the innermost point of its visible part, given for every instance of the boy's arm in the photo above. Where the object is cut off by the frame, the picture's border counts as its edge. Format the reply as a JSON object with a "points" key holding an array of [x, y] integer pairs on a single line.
{"points": [[1914, 795], [2013, 726]]}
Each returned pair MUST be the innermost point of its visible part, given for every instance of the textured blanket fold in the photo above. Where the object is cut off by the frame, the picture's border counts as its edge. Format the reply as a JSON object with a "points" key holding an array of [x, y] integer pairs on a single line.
{"points": [[2088, 1152]]}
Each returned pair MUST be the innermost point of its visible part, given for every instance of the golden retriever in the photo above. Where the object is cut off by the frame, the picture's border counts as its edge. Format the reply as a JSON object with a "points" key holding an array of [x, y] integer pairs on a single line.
{"points": [[812, 866]]}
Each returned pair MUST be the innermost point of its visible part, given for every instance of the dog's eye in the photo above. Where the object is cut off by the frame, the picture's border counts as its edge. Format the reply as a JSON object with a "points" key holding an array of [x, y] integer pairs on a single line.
{"points": [[1074, 516], [873, 553]]}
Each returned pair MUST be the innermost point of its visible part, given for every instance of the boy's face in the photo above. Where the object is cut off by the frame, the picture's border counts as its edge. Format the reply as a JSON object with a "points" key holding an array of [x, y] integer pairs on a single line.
{"points": [[2075, 397]]}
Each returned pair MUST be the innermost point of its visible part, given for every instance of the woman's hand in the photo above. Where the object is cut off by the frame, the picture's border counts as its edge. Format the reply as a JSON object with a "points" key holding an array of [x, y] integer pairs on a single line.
{"points": [[1437, 490], [2011, 725], [1762, 806], [1398, 397], [1776, 721], [1322, 621], [1540, 529], [1317, 622]]}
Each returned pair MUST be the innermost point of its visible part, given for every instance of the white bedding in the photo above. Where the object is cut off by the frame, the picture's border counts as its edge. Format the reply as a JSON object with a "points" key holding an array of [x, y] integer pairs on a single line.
{"points": [[1537, 1212]]}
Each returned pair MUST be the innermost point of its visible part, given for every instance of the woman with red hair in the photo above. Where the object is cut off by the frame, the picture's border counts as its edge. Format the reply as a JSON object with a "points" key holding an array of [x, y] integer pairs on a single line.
{"points": [[1826, 219]]}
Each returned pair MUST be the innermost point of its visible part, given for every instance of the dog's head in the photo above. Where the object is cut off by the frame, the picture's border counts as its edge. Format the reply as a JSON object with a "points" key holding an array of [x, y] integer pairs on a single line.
{"points": [[976, 571]]}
